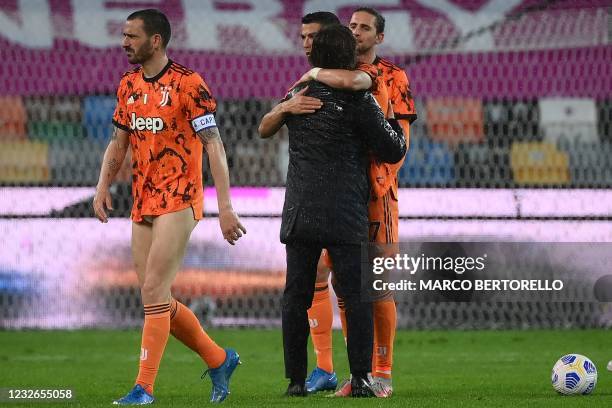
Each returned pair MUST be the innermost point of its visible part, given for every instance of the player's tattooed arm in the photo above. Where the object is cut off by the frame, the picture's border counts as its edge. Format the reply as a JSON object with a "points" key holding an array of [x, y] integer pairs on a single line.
{"points": [[111, 163], [115, 152], [208, 136], [114, 155], [120, 137], [231, 228]]}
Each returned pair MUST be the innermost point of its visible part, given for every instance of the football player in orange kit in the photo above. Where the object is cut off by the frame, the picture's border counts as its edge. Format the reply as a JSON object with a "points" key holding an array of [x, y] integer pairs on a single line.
{"points": [[165, 115], [368, 27]]}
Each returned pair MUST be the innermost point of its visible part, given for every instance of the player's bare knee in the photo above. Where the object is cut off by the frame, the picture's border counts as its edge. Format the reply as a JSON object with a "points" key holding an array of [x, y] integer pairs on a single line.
{"points": [[153, 290]]}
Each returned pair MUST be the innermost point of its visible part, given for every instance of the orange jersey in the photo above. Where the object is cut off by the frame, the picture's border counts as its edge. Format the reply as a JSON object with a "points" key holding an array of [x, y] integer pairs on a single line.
{"points": [[370, 69], [378, 88], [383, 210], [162, 115], [398, 85]]}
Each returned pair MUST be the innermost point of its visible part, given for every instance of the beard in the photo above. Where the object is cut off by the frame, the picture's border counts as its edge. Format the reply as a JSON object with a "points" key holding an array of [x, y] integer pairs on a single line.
{"points": [[143, 54], [363, 48]]}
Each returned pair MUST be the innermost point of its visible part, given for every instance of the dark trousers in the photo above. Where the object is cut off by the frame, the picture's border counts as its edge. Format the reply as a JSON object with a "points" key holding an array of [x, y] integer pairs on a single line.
{"points": [[302, 262]]}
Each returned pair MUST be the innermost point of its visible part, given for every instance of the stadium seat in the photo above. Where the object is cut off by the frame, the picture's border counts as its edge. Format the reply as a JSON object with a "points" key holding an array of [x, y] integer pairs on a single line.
{"points": [[604, 112], [427, 164], [51, 131], [572, 118], [24, 162], [539, 163], [244, 149], [53, 108], [482, 165], [13, 118], [589, 163], [75, 162], [97, 116], [509, 120], [455, 120], [54, 117]]}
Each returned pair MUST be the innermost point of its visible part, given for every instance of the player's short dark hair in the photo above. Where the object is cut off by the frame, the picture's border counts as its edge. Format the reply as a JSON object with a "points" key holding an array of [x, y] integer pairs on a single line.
{"points": [[334, 47], [380, 20], [154, 22], [325, 18]]}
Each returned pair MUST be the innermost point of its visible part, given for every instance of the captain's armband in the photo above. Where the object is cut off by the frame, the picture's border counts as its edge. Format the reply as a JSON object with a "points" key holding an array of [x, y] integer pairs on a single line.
{"points": [[203, 122]]}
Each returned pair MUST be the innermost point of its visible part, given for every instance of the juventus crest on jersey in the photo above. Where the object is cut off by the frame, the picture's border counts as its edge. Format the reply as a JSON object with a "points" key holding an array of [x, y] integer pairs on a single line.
{"points": [[162, 115]]}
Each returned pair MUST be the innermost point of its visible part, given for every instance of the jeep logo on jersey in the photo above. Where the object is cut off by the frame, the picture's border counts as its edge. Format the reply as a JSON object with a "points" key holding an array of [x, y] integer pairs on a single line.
{"points": [[152, 124]]}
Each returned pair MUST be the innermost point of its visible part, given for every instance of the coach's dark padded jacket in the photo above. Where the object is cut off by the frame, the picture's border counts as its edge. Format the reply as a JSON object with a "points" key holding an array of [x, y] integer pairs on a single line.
{"points": [[326, 199]]}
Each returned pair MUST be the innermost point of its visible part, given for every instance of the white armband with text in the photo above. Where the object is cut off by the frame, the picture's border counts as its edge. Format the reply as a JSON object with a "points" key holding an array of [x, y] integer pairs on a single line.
{"points": [[203, 122]]}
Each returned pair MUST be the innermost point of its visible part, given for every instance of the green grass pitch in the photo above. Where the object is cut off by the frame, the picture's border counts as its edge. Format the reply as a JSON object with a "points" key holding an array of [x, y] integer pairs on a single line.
{"points": [[432, 368]]}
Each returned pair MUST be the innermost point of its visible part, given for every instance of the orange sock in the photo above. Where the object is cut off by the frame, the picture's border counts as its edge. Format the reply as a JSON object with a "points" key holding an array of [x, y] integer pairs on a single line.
{"points": [[185, 326], [154, 338], [385, 321], [320, 317], [342, 313]]}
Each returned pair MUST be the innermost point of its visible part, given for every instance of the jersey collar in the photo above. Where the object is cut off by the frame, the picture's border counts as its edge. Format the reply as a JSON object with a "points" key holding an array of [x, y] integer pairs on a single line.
{"points": [[158, 76]]}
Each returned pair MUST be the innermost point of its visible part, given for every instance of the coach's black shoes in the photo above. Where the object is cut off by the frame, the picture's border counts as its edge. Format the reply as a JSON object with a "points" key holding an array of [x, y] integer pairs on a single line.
{"points": [[296, 389], [362, 388]]}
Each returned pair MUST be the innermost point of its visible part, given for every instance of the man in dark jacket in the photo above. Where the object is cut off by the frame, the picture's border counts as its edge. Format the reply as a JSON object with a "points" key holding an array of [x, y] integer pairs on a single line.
{"points": [[326, 205]]}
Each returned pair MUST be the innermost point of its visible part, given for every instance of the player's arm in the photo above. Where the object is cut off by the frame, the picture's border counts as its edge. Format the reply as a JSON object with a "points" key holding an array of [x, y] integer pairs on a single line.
{"points": [[339, 78], [406, 128], [403, 107], [384, 136], [230, 224], [299, 104], [272, 121], [405, 125], [111, 163]]}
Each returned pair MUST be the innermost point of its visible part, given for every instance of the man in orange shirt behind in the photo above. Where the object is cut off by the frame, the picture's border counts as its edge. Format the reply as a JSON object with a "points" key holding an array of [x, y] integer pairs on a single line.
{"points": [[368, 27], [165, 114]]}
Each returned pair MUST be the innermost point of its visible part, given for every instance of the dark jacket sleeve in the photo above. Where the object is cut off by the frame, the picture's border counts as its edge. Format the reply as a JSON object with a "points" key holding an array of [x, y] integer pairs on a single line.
{"points": [[385, 138]]}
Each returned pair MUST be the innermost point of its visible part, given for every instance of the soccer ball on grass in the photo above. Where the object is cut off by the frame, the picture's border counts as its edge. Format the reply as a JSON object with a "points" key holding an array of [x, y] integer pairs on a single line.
{"points": [[574, 374]]}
